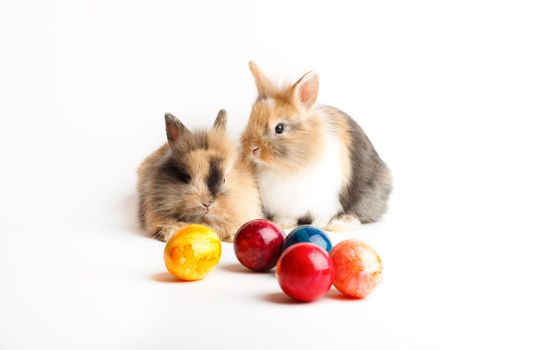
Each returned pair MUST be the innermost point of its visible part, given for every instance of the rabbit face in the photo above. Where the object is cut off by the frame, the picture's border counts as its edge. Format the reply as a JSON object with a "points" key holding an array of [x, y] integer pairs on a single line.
{"points": [[283, 130], [279, 135], [198, 179], [195, 173]]}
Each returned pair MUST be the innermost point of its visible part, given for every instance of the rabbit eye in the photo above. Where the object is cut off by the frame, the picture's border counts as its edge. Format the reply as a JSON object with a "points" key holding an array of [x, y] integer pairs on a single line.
{"points": [[279, 128], [176, 173]]}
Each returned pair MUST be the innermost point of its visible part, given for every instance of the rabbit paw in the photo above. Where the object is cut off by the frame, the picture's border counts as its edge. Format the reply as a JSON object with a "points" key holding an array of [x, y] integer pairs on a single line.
{"points": [[343, 223], [225, 235], [286, 223], [165, 233], [162, 235]]}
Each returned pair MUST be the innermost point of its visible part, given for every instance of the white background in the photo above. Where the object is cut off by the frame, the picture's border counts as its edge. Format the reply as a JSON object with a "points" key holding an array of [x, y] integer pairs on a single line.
{"points": [[454, 95]]}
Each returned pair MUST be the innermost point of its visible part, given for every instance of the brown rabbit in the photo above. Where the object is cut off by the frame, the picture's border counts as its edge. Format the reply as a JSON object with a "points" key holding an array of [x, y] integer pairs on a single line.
{"points": [[197, 177], [314, 164]]}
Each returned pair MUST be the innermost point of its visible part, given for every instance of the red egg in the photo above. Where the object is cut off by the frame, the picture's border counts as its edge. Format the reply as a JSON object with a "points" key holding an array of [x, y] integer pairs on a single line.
{"points": [[305, 272], [258, 244], [358, 268]]}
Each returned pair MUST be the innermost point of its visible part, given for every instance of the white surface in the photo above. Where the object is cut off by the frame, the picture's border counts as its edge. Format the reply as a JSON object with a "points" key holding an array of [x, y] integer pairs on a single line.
{"points": [[453, 95]]}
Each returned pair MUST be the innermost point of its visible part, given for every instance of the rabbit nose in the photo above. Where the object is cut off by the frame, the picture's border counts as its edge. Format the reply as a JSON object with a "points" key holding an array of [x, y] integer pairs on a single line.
{"points": [[208, 205], [254, 149]]}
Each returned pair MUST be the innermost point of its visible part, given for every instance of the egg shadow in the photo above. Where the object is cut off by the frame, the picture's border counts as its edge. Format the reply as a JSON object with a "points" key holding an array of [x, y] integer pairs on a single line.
{"points": [[280, 298], [238, 268], [336, 295], [165, 277]]}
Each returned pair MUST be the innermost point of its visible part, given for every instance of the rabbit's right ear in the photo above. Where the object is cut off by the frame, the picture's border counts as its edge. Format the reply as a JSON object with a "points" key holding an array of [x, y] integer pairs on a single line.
{"points": [[175, 130], [265, 87], [220, 121]]}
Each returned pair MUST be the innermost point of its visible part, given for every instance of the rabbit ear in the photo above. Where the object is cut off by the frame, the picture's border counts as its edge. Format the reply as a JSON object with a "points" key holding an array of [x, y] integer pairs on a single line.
{"points": [[265, 88], [305, 90], [220, 121], [175, 130]]}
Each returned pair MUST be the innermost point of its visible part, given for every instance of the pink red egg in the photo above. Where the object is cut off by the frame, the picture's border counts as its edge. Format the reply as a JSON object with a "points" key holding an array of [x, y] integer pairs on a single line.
{"points": [[358, 268], [305, 272], [258, 244]]}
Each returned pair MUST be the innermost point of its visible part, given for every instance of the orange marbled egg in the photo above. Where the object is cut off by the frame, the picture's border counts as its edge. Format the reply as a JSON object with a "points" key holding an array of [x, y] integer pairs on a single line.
{"points": [[192, 252], [358, 268]]}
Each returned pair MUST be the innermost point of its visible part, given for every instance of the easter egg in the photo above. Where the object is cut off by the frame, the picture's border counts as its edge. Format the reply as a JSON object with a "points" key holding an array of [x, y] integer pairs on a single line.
{"points": [[305, 272], [258, 244], [192, 252], [308, 234], [358, 268]]}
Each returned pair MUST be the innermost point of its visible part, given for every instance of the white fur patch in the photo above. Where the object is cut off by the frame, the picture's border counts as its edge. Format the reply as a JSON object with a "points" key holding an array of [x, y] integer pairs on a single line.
{"points": [[315, 190], [269, 102]]}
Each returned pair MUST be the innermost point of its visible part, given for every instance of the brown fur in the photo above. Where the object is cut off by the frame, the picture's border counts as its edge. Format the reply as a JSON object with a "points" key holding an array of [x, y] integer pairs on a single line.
{"points": [[298, 150], [305, 144], [175, 180]]}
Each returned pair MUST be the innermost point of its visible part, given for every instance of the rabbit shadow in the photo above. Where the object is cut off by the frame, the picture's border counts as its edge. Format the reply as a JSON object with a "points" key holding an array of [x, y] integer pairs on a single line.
{"points": [[128, 208]]}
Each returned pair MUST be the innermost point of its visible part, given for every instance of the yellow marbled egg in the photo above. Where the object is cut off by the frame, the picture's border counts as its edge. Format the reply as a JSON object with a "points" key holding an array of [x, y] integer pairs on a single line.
{"points": [[192, 252]]}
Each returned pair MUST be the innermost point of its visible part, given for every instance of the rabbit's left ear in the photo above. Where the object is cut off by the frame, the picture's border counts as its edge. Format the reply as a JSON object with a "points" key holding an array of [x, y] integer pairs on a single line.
{"points": [[220, 121], [265, 87], [305, 90], [175, 130]]}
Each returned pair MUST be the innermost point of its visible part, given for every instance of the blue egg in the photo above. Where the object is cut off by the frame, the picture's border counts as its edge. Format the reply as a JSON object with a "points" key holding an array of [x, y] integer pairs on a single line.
{"points": [[308, 234]]}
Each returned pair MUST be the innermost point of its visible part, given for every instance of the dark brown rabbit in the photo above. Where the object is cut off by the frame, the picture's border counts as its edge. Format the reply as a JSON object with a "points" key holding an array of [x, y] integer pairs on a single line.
{"points": [[197, 177]]}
